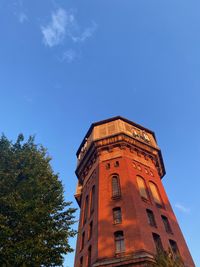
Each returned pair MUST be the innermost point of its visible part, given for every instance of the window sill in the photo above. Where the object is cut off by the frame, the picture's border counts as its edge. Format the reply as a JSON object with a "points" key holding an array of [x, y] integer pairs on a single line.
{"points": [[116, 197], [116, 223], [119, 254]]}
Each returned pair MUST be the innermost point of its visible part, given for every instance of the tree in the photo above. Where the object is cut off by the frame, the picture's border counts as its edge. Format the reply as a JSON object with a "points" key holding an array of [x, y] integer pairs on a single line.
{"points": [[35, 221], [167, 259]]}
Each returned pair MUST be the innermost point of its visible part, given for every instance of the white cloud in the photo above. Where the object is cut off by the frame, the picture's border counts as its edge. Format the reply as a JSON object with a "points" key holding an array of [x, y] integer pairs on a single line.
{"points": [[63, 25], [69, 56], [87, 33], [54, 32], [22, 17], [182, 208]]}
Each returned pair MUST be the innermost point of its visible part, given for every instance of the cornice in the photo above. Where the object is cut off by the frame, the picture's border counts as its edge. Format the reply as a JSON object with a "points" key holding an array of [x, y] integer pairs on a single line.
{"points": [[122, 141]]}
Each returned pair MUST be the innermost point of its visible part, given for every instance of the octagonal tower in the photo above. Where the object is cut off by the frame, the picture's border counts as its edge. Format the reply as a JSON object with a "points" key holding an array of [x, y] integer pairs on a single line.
{"points": [[125, 213]]}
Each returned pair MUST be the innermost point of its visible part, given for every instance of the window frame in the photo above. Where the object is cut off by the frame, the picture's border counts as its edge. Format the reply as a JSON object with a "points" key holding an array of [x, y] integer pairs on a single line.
{"points": [[90, 230], [158, 203], [166, 224], [92, 199], [115, 186], [145, 196], [151, 218], [157, 242], [172, 243], [117, 217], [119, 242], [85, 216]]}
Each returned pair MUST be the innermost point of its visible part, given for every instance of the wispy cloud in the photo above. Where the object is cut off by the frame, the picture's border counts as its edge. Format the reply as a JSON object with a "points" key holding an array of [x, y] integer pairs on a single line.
{"points": [[87, 33], [64, 25], [54, 32], [20, 11], [69, 55], [22, 17], [182, 208]]}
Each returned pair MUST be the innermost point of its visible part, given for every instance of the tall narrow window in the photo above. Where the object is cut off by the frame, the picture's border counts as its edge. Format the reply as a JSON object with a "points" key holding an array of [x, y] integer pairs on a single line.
{"points": [[151, 218], [157, 241], [142, 187], [86, 210], [156, 194], [174, 247], [119, 242], [81, 262], [117, 215], [90, 230], [89, 256], [83, 240], [92, 200], [166, 224], [116, 192]]}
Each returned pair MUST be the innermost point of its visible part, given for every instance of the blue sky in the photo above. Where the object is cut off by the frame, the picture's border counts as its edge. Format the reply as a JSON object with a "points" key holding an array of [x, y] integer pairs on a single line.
{"points": [[66, 64]]}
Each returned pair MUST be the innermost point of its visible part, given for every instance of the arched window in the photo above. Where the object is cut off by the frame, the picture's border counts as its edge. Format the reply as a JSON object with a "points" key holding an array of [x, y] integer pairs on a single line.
{"points": [[117, 215], [92, 200], [156, 194], [142, 187], [86, 210], [157, 241], [119, 242], [116, 192]]}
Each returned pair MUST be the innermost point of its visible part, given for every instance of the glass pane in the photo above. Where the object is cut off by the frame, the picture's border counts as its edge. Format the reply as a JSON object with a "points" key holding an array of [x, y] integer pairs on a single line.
{"points": [[142, 187], [115, 186], [117, 246], [155, 193], [117, 215]]}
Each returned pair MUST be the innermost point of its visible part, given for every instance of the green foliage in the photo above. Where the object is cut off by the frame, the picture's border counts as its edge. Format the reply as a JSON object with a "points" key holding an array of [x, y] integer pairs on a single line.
{"points": [[35, 221], [167, 259]]}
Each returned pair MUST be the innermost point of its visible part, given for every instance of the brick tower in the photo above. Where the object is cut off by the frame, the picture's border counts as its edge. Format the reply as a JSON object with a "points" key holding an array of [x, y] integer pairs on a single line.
{"points": [[125, 213]]}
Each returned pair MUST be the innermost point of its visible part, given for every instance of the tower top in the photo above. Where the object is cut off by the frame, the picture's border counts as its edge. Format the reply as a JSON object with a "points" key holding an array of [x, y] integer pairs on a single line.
{"points": [[129, 132], [109, 121]]}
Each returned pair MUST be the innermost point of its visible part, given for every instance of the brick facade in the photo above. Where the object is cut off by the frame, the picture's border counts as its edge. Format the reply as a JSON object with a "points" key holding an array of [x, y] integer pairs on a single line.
{"points": [[122, 149]]}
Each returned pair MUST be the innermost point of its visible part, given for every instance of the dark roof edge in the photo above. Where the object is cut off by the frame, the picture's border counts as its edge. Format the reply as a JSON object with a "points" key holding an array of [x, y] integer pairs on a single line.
{"points": [[109, 120]]}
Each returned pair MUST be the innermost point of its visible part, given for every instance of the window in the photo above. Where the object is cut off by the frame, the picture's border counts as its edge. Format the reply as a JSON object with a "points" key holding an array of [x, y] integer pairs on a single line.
{"points": [[142, 187], [151, 218], [83, 240], [116, 192], [119, 242], [89, 256], [174, 247], [92, 200], [116, 164], [81, 262], [86, 210], [166, 224], [107, 166], [117, 215], [157, 242], [156, 195], [90, 230]]}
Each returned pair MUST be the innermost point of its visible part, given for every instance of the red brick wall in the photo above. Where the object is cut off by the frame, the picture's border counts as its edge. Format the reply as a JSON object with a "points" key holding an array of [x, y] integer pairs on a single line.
{"points": [[137, 231]]}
